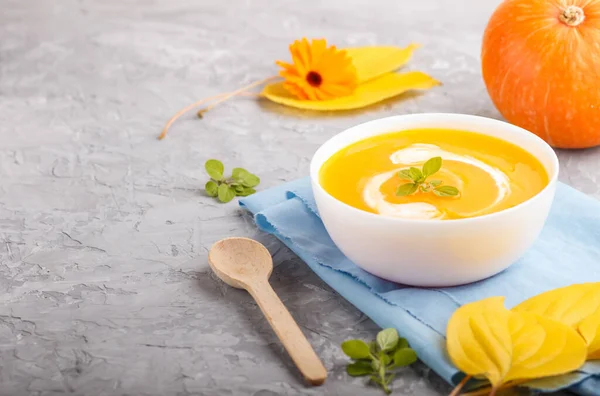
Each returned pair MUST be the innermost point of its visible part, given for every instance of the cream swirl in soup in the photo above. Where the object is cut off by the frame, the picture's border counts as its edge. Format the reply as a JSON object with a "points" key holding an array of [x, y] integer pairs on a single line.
{"points": [[415, 155]]}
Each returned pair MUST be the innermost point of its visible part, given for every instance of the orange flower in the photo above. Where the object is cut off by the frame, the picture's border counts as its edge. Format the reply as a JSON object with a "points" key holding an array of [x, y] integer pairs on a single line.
{"points": [[319, 72]]}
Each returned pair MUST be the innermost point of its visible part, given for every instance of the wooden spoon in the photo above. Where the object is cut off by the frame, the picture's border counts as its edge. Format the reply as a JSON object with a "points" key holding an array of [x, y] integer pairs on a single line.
{"points": [[247, 264]]}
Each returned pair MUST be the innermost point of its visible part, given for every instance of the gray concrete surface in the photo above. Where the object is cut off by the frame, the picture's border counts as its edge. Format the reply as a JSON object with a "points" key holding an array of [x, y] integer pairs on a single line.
{"points": [[104, 283]]}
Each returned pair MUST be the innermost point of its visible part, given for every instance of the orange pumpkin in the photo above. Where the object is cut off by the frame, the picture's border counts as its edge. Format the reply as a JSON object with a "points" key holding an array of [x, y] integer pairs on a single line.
{"points": [[541, 66]]}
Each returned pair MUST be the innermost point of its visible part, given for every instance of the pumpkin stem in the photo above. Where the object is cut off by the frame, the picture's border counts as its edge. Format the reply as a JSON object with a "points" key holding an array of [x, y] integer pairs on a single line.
{"points": [[572, 15]]}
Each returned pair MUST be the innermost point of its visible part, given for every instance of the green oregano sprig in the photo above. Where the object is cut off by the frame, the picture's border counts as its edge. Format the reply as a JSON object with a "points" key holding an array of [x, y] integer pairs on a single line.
{"points": [[418, 178], [241, 182], [378, 358]]}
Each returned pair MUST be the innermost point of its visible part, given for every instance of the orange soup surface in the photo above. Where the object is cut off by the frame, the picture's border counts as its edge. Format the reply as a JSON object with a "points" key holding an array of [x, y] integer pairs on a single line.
{"points": [[490, 174]]}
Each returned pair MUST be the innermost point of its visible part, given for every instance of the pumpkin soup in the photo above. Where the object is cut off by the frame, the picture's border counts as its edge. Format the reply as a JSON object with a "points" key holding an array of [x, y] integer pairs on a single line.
{"points": [[433, 174]]}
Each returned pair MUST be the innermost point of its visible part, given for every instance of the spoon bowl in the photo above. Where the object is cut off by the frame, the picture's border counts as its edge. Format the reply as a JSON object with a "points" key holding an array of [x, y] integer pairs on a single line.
{"points": [[240, 262]]}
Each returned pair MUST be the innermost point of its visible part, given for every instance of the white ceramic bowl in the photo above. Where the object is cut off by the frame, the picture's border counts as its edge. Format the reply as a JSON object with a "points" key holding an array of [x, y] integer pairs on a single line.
{"points": [[430, 252]]}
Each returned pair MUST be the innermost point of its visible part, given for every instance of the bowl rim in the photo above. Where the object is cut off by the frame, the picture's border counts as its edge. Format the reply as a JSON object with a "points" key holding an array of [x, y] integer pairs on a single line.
{"points": [[314, 171]]}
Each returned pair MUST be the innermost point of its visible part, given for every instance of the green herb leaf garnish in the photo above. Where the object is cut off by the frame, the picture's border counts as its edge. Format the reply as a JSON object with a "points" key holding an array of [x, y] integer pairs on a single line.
{"points": [[446, 191], [241, 182], [418, 178], [378, 358], [356, 349], [405, 174], [404, 357], [432, 166], [416, 175], [211, 188], [407, 189], [387, 339], [245, 191], [226, 193], [359, 368], [215, 169]]}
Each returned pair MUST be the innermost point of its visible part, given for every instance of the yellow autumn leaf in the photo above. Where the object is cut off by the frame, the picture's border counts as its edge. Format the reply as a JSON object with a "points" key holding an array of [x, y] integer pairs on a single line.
{"points": [[324, 77], [479, 341], [370, 92], [589, 328], [542, 347], [486, 339], [371, 62], [577, 306]]}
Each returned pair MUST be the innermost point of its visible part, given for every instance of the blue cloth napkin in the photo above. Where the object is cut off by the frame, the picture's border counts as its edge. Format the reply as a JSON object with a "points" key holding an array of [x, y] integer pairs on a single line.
{"points": [[567, 252]]}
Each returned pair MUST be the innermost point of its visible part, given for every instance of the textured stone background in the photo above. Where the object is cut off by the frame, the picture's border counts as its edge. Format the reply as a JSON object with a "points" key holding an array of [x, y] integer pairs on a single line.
{"points": [[104, 284]]}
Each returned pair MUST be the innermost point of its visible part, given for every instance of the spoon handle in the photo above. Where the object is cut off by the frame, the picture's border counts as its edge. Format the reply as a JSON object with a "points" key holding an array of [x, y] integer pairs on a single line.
{"points": [[289, 333]]}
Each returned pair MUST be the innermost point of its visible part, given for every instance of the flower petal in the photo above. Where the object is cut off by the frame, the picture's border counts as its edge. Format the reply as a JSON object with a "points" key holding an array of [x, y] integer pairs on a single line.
{"points": [[373, 91], [318, 47], [372, 62]]}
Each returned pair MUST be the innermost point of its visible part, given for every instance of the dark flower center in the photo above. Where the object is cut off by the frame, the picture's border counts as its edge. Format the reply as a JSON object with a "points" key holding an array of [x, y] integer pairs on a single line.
{"points": [[314, 79]]}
